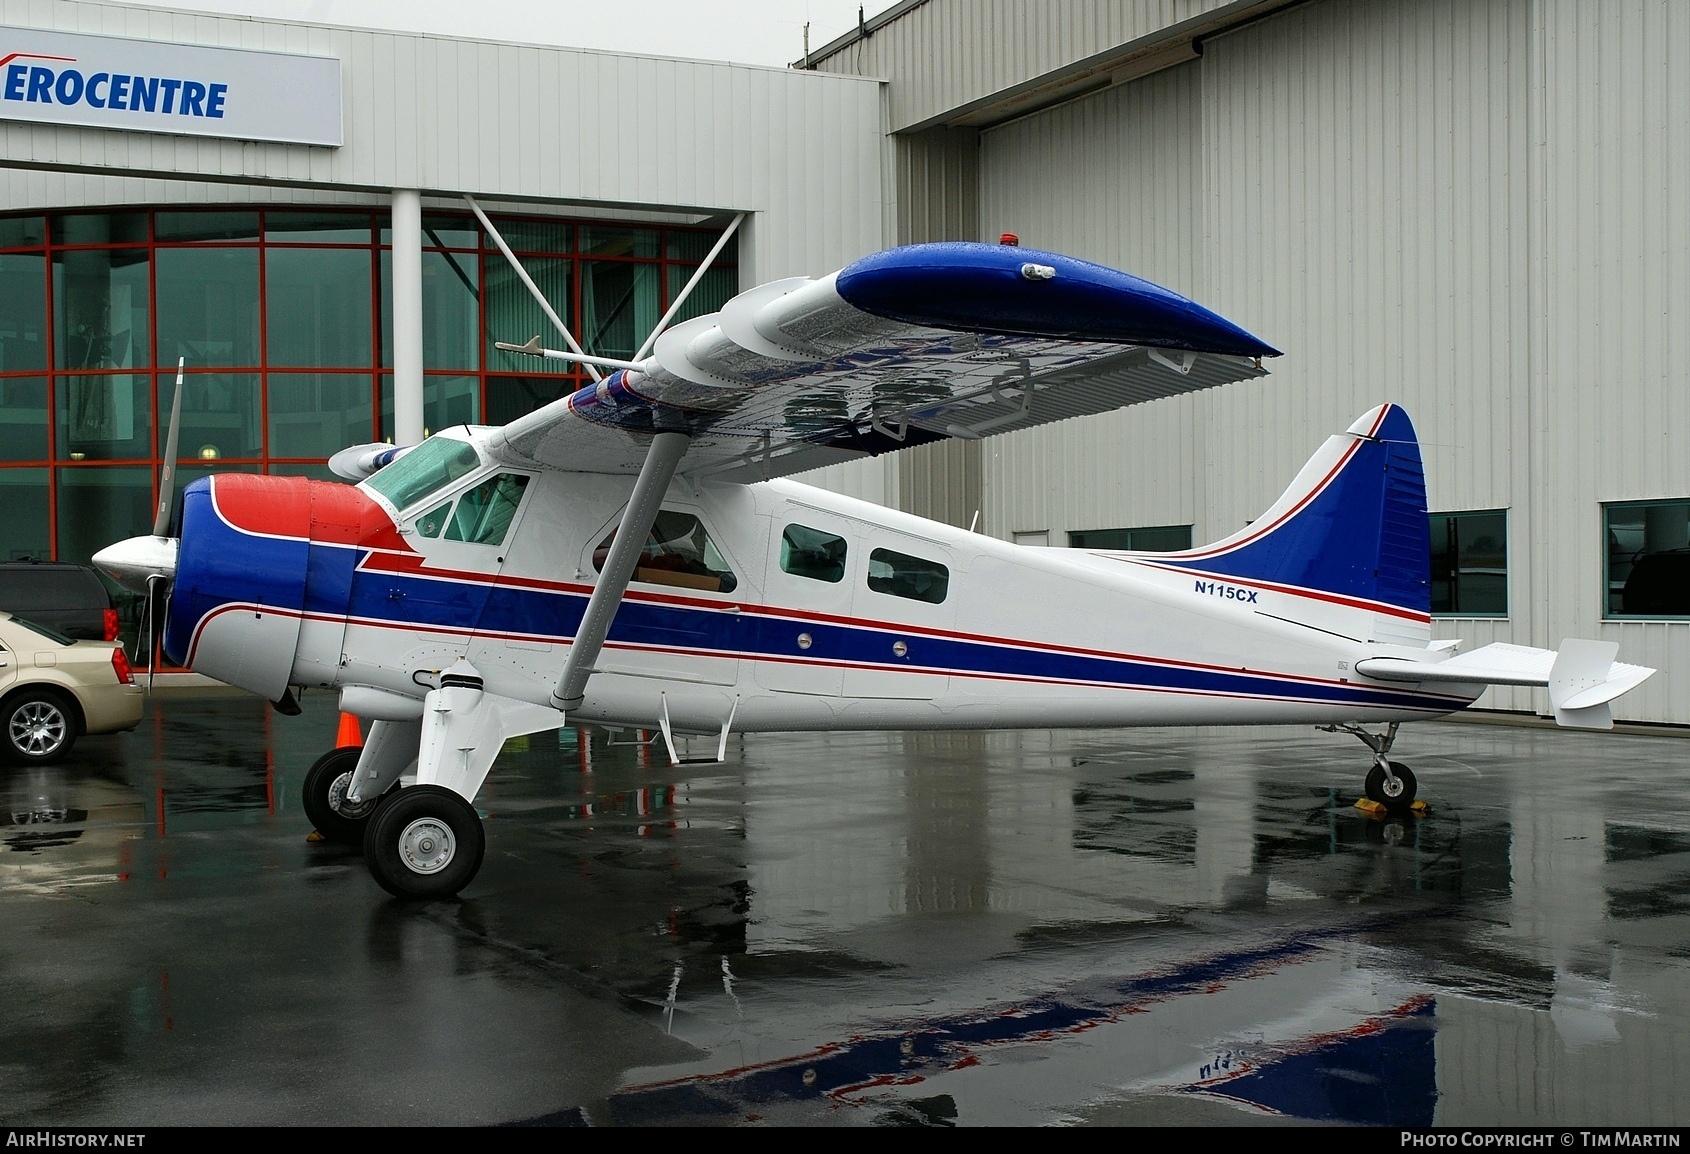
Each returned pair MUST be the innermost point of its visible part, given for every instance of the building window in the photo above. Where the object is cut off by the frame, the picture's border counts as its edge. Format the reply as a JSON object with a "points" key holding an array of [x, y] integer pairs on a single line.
{"points": [[1040, 537], [1470, 563], [1145, 539], [1648, 569]]}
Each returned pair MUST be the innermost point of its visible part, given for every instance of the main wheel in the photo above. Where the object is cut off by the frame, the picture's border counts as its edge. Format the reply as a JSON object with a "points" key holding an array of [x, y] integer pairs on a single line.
{"points": [[424, 842], [1379, 789], [324, 795], [39, 727]]}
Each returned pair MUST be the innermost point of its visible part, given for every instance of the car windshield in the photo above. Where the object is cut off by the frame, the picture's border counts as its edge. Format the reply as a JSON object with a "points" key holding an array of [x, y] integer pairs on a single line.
{"points": [[435, 463], [49, 634]]}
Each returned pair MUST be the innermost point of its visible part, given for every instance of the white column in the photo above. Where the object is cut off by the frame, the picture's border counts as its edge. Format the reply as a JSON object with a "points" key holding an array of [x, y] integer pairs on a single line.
{"points": [[407, 317]]}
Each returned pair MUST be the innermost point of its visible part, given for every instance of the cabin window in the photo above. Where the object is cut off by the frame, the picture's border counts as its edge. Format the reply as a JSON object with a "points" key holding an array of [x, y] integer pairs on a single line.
{"points": [[432, 465], [1470, 563], [1648, 567], [1143, 539], [677, 552], [806, 552], [431, 522], [484, 513], [901, 575]]}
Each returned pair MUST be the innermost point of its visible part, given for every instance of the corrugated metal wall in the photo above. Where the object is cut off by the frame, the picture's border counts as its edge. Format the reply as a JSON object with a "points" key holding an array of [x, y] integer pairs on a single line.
{"points": [[1358, 183], [949, 53]]}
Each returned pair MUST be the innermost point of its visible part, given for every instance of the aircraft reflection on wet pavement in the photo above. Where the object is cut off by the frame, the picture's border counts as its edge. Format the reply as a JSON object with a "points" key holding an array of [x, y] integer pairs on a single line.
{"points": [[1020, 928]]}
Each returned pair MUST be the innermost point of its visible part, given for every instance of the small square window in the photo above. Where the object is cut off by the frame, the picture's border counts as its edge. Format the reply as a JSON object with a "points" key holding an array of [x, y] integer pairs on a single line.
{"points": [[901, 575], [1470, 563], [1648, 558], [806, 552]]}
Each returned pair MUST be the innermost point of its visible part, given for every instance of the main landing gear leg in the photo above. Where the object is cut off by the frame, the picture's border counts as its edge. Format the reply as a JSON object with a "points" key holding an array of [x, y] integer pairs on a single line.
{"points": [[425, 840], [1391, 784]]}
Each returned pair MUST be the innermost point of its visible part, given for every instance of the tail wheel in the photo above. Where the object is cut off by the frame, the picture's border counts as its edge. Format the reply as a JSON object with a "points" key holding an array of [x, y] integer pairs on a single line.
{"points": [[1397, 795], [424, 842], [325, 801], [38, 727]]}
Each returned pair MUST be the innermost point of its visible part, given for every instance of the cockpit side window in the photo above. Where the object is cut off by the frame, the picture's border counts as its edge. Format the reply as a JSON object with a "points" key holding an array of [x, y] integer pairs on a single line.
{"points": [[431, 522], [679, 552], [484, 513], [432, 465]]}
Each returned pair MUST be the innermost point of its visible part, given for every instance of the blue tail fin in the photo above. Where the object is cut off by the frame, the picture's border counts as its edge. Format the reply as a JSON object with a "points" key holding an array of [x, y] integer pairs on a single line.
{"points": [[1350, 532]]}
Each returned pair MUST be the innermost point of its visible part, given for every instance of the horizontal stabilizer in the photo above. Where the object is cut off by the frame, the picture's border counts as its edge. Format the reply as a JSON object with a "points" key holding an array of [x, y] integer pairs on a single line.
{"points": [[1582, 676]]}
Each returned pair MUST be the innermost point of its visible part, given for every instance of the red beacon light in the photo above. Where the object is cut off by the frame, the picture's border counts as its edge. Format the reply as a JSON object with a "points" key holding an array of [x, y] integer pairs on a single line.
{"points": [[1010, 239]]}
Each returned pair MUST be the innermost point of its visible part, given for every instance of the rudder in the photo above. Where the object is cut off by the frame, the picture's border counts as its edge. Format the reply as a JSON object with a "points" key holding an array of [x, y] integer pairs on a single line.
{"points": [[1350, 532]]}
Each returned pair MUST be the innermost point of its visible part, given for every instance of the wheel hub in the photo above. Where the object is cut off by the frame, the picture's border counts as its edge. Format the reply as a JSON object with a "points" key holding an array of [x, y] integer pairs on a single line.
{"points": [[1392, 786], [338, 802], [37, 728], [426, 846]]}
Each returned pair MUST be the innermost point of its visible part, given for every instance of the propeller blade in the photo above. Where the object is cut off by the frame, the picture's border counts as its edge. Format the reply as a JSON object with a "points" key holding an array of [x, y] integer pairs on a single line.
{"points": [[167, 474]]}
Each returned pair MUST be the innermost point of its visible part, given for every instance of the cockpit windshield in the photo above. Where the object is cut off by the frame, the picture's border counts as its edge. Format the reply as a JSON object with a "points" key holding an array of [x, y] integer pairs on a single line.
{"points": [[432, 465]]}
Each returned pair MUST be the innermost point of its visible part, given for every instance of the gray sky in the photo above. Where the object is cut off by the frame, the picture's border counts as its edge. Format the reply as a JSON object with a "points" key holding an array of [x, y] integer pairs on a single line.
{"points": [[745, 31]]}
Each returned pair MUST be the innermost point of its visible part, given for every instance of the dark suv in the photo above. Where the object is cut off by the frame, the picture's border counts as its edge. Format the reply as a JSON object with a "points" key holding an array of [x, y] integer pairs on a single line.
{"points": [[59, 595]]}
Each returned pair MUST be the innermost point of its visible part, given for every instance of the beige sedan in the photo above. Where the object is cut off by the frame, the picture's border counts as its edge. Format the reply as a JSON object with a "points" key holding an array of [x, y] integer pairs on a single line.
{"points": [[53, 690]]}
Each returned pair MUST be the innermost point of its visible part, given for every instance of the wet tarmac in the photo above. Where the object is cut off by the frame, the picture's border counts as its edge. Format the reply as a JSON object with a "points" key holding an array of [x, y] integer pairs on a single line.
{"points": [[1029, 928]]}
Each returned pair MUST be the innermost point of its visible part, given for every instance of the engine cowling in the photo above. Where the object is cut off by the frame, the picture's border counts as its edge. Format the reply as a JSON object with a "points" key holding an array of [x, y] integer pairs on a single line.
{"points": [[259, 558]]}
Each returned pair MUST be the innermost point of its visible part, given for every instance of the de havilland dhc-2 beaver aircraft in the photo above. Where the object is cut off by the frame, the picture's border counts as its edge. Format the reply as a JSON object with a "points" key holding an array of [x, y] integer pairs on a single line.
{"points": [[633, 556]]}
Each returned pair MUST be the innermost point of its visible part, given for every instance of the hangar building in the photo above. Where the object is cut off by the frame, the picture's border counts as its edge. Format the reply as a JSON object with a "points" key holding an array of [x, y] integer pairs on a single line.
{"points": [[1476, 209]]}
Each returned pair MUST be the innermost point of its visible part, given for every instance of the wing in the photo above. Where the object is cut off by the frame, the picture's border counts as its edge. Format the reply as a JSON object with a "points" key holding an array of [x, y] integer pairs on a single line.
{"points": [[904, 347]]}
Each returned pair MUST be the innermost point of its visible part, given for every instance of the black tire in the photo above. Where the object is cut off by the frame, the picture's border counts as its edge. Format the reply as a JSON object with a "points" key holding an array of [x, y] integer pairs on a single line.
{"points": [[424, 842], [1404, 798], [324, 797], [38, 727]]}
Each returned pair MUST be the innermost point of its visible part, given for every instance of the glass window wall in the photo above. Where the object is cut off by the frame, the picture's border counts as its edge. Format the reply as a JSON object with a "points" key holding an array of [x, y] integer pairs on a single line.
{"points": [[317, 306], [23, 418], [451, 306], [23, 313], [222, 416], [24, 531], [100, 308], [513, 315], [447, 401], [318, 414]]}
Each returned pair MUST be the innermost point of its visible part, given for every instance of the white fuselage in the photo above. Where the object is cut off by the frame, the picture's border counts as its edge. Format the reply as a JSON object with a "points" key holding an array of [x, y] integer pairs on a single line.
{"points": [[1021, 637]]}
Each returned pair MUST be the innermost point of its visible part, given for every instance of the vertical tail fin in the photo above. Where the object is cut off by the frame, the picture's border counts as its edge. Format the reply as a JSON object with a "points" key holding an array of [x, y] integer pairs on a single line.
{"points": [[1348, 538]]}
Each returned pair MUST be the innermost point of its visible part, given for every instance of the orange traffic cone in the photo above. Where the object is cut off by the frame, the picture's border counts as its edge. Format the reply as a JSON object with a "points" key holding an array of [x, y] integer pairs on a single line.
{"points": [[349, 733]]}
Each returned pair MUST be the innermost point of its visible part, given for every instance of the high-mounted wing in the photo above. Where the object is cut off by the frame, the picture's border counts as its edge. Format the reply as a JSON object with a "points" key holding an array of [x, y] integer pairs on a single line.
{"points": [[907, 346]]}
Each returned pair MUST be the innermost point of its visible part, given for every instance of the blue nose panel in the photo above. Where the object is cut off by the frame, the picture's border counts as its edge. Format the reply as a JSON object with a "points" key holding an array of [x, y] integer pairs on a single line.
{"points": [[218, 565]]}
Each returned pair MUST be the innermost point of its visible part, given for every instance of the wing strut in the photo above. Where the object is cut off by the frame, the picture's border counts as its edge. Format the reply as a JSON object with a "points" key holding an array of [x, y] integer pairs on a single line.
{"points": [[528, 283], [698, 275], [661, 459]]}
